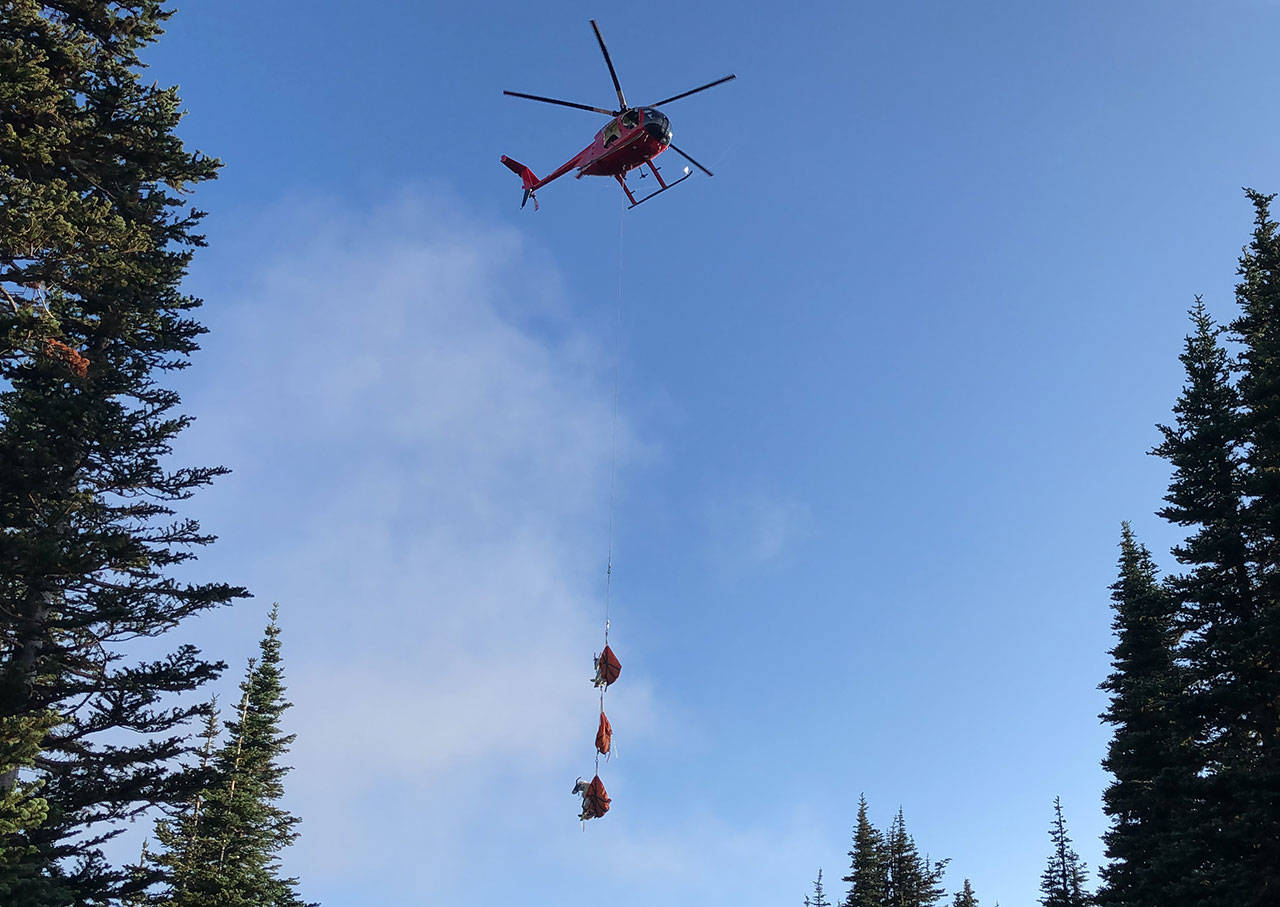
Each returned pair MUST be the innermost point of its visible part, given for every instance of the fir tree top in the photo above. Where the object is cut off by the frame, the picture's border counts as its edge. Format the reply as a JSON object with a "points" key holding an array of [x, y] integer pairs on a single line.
{"points": [[225, 852], [1062, 884], [965, 897], [819, 898], [866, 876]]}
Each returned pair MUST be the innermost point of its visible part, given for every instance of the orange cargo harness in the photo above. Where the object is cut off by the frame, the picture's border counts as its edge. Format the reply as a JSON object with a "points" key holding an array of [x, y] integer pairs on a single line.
{"points": [[595, 799], [607, 668], [604, 736]]}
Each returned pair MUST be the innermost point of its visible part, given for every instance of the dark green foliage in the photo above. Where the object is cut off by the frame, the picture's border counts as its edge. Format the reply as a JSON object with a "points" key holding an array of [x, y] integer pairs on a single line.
{"points": [[965, 897], [1154, 797], [187, 856], [1205, 491], [1196, 683], [910, 880], [22, 808], [866, 876], [886, 867], [1181, 855], [94, 242], [1245, 761], [1063, 882], [224, 850]]}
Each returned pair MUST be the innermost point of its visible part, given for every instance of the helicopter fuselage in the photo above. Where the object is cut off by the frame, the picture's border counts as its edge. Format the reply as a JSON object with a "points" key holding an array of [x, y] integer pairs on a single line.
{"points": [[627, 142]]}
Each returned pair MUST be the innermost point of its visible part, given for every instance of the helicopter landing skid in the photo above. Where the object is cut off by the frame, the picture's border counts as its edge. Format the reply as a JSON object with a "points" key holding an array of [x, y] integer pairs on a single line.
{"points": [[665, 185]]}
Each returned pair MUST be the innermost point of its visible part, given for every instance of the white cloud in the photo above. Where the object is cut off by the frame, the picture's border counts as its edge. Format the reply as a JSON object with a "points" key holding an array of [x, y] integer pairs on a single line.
{"points": [[422, 449]]}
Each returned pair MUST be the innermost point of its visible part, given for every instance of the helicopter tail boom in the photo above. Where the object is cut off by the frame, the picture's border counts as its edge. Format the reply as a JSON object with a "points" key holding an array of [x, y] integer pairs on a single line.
{"points": [[520, 170], [527, 177]]}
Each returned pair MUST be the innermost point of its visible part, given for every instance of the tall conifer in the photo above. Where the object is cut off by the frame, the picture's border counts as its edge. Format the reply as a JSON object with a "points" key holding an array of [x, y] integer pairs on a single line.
{"points": [[1153, 797], [965, 897], [1247, 761], [225, 851], [910, 879], [1063, 882], [1215, 594], [866, 876], [1205, 827], [819, 898], [187, 856], [95, 238]]}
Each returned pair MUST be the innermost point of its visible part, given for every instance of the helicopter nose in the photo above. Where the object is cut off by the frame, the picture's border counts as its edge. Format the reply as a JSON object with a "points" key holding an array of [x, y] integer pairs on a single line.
{"points": [[659, 132]]}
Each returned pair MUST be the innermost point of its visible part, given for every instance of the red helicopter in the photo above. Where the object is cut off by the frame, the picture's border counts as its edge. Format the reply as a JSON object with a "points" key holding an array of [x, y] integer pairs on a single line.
{"points": [[633, 137]]}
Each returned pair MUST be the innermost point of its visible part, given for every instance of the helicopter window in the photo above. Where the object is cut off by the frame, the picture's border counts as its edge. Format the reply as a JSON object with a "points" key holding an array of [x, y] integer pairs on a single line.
{"points": [[631, 118]]}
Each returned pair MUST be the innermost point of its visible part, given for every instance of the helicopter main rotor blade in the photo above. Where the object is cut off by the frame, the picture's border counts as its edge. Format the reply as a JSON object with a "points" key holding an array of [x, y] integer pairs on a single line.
{"points": [[690, 160], [534, 97], [694, 91], [622, 102]]}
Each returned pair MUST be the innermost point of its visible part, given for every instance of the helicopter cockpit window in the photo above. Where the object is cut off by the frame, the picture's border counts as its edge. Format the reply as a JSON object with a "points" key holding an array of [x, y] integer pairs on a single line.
{"points": [[631, 118], [657, 125]]}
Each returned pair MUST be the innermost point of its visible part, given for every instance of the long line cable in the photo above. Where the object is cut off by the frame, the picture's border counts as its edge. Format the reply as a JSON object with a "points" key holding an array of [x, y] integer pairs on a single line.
{"points": [[613, 451], [613, 426]]}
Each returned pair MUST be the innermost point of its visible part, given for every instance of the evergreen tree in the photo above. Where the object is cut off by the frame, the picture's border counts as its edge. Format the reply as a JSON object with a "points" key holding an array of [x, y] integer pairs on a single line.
{"points": [[910, 879], [866, 876], [1153, 793], [22, 809], [1062, 884], [225, 850], [1246, 760], [188, 856], [964, 897], [1206, 495], [93, 223], [819, 898], [1196, 803]]}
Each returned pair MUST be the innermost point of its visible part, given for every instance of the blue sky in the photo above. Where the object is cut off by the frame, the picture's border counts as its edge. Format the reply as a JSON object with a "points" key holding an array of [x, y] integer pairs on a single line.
{"points": [[885, 387]]}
